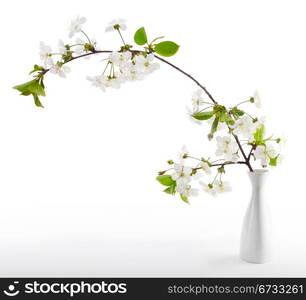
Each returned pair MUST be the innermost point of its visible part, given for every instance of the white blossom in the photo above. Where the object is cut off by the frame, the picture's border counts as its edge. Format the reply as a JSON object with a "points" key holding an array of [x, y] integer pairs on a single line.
{"points": [[103, 82], [131, 73], [120, 59], [115, 25], [205, 167], [218, 187], [245, 127], [183, 153], [257, 99], [60, 69], [259, 122], [227, 147], [182, 174], [76, 25], [281, 141], [62, 48], [187, 191], [209, 188], [45, 54], [97, 81], [264, 153], [280, 158], [222, 186], [271, 151], [146, 64], [197, 100], [79, 49]]}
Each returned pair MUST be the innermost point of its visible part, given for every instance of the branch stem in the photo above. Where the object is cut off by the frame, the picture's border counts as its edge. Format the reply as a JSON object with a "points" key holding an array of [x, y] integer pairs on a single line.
{"points": [[121, 37], [188, 75], [224, 164], [247, 162]]}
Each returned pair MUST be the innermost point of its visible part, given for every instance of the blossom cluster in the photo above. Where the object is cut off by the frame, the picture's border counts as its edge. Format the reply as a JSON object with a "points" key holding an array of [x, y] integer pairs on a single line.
{"points": [[55, 61], [240, 139], [182, 175], [123, 67]]}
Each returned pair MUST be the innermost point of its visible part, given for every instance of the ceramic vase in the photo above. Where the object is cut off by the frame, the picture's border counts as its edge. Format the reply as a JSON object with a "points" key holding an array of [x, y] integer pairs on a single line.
{"points": [[256, 237]]}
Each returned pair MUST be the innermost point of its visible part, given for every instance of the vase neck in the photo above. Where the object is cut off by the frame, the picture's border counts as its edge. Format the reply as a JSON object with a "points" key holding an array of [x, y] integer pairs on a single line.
{"points": [[258, 179]]}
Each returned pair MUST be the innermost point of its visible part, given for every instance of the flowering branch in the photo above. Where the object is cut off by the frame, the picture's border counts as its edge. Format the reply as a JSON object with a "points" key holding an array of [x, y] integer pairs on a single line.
{"points": [[128, 64]]}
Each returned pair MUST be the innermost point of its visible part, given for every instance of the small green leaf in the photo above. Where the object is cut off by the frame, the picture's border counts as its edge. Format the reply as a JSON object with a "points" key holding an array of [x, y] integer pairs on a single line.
{"points": [[37, 101], [236, 112], [165, 180], [171, 189], [213, 129], [140, 36], [36, 69], [226, 118], [166, 48], [259, 134], [184, 198], [204, 115], [25, 86], [26, 93], [219, 109], [36, 88], [273, 161]]}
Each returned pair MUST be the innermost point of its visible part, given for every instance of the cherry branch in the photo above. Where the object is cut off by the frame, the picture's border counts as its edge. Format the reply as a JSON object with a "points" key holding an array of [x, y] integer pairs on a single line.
{"points": [[247, 162], [223, 164], [247, 159]]}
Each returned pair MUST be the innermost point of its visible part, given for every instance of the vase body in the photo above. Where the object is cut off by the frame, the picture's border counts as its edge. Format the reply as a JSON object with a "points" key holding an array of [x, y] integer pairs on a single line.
{"points": [[256, 237]]}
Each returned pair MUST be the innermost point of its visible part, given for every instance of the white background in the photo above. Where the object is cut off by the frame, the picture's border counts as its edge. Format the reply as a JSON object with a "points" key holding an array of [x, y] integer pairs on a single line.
{"points": [[77, 190]]}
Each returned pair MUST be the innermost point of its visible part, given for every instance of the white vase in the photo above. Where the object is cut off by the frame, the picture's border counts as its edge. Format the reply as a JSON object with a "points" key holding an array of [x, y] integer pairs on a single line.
{"points": [[256, 237]]}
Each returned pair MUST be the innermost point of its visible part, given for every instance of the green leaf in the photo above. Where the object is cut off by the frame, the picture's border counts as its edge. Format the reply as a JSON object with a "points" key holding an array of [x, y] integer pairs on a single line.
{"points": [[26, 93], [236, 112], [140, 36], [171, 189], [259, 134], [25, 86], [226, 118], [36, 88], [213, 129], [36, 69], [204, 115], [273, 161], [185, 199], [165, 180], [37, 101], [166, 48], [219, 109]]}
